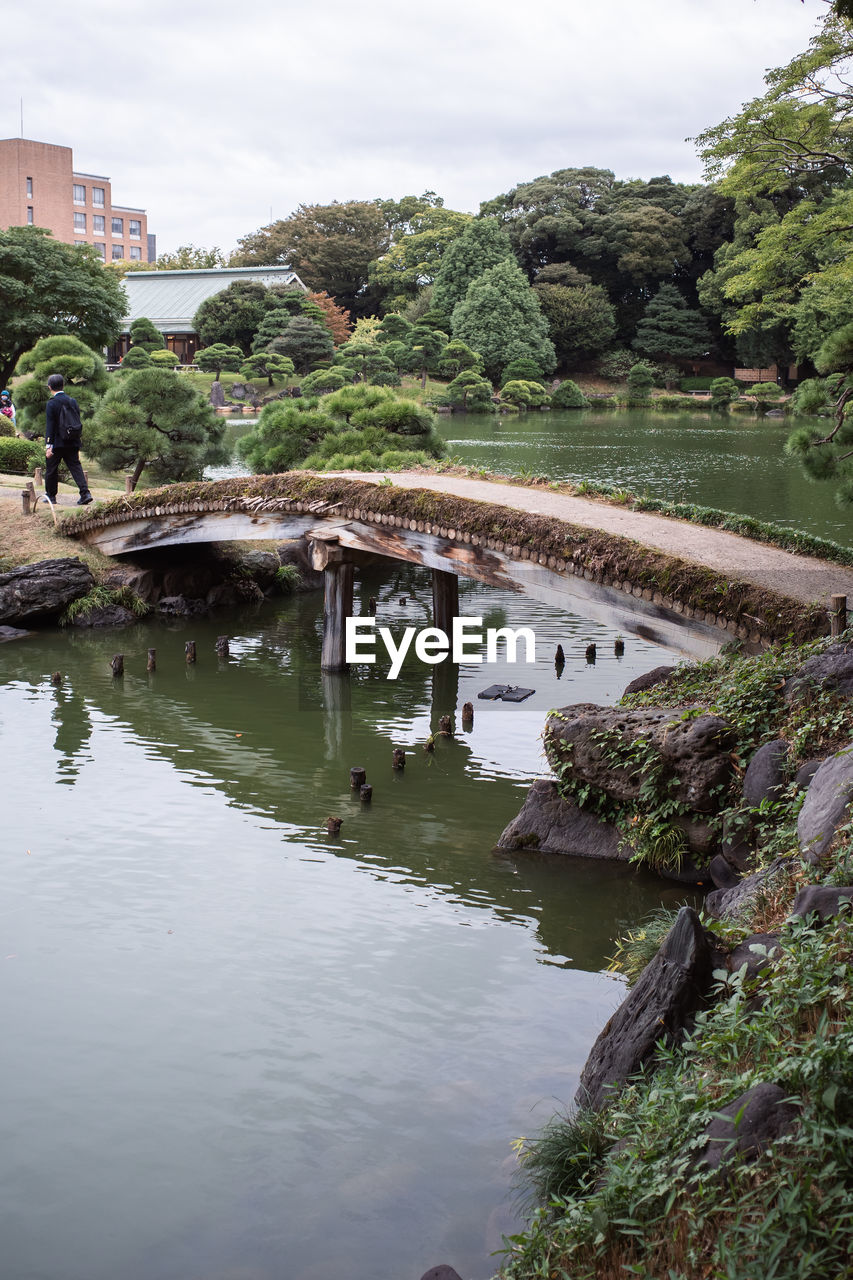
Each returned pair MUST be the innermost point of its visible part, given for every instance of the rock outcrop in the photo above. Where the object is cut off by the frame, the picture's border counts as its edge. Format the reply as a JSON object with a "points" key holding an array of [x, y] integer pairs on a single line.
{"points": [[831, 670], [671, 988], [34, 593], [744, 1128], [691, 752], [550, 824], [827, 806]]}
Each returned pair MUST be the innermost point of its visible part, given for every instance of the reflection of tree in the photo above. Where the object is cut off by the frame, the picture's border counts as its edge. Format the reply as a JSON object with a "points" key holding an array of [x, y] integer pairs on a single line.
{"points": [[73, 733]]}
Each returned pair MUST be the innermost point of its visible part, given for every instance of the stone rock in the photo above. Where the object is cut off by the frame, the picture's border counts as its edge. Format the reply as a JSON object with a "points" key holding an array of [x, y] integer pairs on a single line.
{"points": [[671, 988], [550, 824], [442, 1272], [658, 675], [39, 592], [238, 390], [694, 751], [735, 844], [805, 773], [765, 775], [747, 1126], [826, 901], [181, 607], [298, 554], [111, 615], [13, 633], [730, 904], [827, 806], [261, 566], [757, 953], [142, 581], [831, 670], [217, 395], [225, 593], [723, 873]]}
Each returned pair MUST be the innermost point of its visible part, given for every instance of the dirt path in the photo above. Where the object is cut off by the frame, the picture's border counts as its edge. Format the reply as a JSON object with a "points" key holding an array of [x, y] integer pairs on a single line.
{"points": [[799, 577]]}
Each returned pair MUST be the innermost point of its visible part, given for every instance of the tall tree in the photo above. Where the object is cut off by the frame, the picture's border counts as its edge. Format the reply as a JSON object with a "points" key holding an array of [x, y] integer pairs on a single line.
{"points": [[84, 371], [307, 343], [482, 244], [581, 319], [670, 330], [49, 288], [187, 257], [828, 455], [144, 333], [413, 261], [501, 319], [330, 247], [152, 420], [232, 316]]}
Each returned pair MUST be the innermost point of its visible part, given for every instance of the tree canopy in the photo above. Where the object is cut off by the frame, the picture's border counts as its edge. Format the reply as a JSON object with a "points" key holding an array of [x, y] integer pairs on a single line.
{"points": [[233, 315], [501, 319], [85, 374], [152, 419], [48, 288]]}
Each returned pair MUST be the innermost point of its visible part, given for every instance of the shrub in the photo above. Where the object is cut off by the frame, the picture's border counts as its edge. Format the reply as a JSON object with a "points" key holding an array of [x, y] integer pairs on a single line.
{"points": [[723, 392], [764, 394], [811, 396], [164, 359], [616, 364], [640, 383], [136, 358], [20, 457], [524, 368], [6, 428], [526, 395], [323, 381], [685, 403], [568, 396]]}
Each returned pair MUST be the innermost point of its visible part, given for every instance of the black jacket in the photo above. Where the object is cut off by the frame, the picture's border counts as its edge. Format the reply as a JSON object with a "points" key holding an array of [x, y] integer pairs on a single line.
{"points": [[52, 411]]}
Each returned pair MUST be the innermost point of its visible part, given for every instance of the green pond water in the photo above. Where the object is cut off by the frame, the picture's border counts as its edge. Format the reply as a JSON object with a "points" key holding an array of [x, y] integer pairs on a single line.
{"points": [[238, 1048]]}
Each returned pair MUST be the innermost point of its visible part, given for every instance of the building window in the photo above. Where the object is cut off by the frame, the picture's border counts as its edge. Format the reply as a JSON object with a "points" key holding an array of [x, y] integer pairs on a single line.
{"points": [[118, 253], [79, 222], [98, 224], [135, 253], [30, 215], [98, 197], [30, 188], [79, 242], [101, 250], [79, 194], [118, 226], [135, 227]]}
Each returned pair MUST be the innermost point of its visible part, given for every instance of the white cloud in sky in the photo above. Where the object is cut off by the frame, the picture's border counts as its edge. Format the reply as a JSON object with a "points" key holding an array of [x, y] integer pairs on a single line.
{"points": [[212, 116]]}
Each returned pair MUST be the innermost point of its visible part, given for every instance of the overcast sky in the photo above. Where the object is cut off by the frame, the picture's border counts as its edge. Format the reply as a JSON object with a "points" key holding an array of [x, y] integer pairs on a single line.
{"points": [[216, 116]]}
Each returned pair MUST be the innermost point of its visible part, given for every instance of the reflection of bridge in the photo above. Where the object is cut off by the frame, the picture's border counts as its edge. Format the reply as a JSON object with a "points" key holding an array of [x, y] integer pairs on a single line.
{"points": [[522, 546]]}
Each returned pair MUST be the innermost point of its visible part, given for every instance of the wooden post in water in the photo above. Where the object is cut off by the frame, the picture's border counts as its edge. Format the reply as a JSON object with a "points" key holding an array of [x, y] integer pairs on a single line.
{"points": [[357, 777], [838, 615], [445, 600], [222, 646], [152, 659], [189, 649], [398, 759], [445, 726], [337, 607], [117, 664], [468, 715], [366, 793]]}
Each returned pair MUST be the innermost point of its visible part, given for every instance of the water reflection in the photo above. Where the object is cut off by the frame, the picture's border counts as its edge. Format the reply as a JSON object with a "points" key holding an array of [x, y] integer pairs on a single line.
{"points": [[73, 734]]}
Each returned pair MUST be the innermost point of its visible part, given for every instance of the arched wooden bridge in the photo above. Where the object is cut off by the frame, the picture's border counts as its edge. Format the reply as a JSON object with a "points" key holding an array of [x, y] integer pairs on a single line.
{"points": [[646, 575]]}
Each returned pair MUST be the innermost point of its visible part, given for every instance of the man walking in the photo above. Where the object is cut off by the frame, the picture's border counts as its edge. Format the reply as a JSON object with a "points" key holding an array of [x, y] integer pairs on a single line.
{"points": [[62, 441]]}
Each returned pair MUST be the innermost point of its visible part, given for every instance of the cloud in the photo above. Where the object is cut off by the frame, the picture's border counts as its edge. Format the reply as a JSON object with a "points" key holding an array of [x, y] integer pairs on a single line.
{"points": [[215, 116]]}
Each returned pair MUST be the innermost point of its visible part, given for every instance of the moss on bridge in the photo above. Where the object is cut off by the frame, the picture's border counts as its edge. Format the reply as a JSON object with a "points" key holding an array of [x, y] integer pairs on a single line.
{"points": [[744, 609]]}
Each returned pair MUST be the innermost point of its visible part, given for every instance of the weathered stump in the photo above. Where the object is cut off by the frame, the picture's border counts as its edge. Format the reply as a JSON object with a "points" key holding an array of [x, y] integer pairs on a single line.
{"points": [[838, 615], [619, 648], [366, 793], [56, 678], [468, 715], [189, 649], [357, 777], [222, 646], [152, 659], [590, 654], [333, 825], [445, 726], [117, 664], [398, 759]]}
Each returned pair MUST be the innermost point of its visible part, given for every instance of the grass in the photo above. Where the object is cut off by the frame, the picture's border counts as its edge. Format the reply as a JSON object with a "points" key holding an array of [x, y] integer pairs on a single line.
{"points": [[101, 597]]}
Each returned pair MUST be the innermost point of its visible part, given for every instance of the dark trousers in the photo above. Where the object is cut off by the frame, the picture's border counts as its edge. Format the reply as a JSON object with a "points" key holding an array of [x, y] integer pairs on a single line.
{"points": [[70, 455]]}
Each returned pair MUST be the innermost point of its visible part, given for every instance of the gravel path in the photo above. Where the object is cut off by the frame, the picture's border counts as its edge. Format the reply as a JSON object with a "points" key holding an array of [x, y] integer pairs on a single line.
{"points": [[798, 577]]}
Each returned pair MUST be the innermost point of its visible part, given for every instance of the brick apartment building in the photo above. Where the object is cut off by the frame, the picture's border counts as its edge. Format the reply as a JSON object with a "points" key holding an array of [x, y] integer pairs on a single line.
{"points": [[40, 187]]}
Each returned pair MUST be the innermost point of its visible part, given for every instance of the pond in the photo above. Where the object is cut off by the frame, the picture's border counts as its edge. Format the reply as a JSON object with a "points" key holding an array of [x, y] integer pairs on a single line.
{"points": [[736, 464], [238, 1048]]}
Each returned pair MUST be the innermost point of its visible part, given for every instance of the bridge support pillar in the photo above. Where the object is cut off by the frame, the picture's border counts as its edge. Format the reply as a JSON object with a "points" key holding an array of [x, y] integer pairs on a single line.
{"points": [[445, 599], [338, 570]]}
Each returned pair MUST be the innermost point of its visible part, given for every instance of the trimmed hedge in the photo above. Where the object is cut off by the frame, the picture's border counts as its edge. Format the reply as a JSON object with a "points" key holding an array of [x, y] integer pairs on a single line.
{"points": [[20, 457]]}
